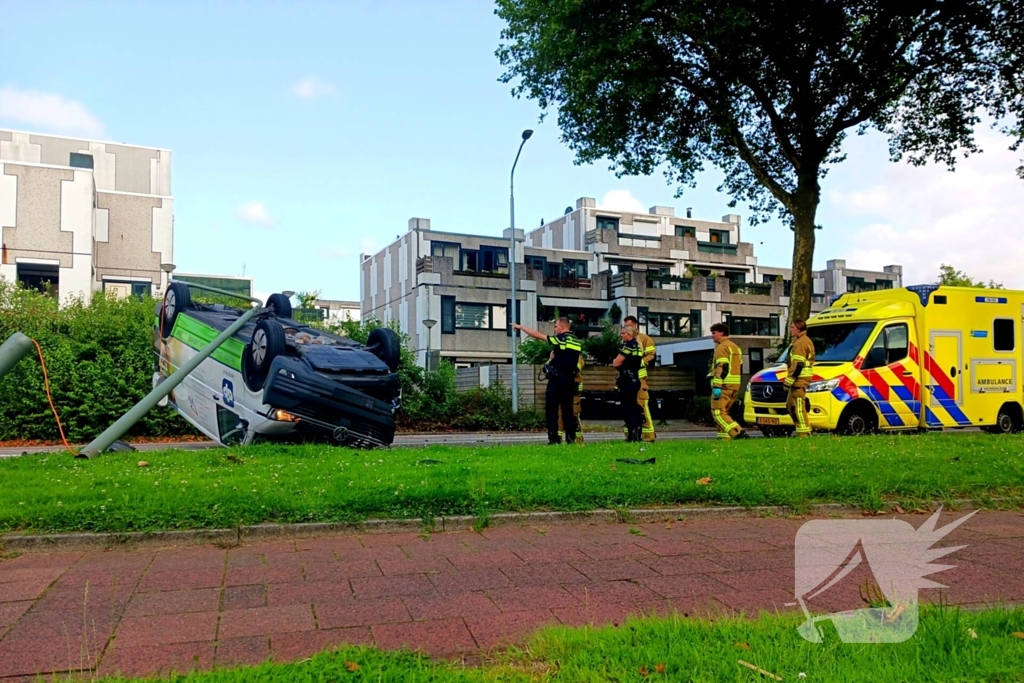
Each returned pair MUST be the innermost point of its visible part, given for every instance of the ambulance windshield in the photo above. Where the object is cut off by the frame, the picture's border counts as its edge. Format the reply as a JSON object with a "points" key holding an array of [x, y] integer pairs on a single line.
{"points": [[839, 342]]}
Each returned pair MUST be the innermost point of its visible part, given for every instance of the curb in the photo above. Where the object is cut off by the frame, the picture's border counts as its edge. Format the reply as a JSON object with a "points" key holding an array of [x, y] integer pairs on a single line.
{"points": [[265, 532]]}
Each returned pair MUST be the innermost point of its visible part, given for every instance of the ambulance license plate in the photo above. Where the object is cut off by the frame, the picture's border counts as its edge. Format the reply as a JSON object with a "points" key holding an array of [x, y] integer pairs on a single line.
{"points": [[767, 420]]}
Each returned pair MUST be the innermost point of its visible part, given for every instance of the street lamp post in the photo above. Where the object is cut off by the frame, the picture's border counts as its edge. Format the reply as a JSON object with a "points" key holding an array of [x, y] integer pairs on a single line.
{"points": [[512, 268], [429, 324]]}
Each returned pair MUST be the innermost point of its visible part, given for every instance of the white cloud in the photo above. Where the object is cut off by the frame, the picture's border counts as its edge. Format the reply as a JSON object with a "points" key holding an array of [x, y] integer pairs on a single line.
{"points": [[255, 213], [621, 200], [311, 87], [333, 253], [923, 217], [48, 112]]}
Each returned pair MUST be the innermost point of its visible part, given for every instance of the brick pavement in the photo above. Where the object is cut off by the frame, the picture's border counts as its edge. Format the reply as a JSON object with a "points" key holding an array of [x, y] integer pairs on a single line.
{"points": [[150, 611]]}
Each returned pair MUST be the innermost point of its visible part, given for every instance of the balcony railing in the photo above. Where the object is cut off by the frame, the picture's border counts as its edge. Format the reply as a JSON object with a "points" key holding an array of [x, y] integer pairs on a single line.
{"points": [[424, 264], [716, 248], [751, 288], [483, 273], [673, 282], [569, 282]]}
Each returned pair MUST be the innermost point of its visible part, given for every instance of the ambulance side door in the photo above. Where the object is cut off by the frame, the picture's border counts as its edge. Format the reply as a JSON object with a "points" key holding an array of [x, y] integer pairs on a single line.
{"points": [[892, 376]]}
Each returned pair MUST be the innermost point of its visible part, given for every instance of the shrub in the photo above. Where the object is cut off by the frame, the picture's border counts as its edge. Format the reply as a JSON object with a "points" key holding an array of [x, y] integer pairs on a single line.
{"points": [[603, 348], [100, 361], [533, 352]]}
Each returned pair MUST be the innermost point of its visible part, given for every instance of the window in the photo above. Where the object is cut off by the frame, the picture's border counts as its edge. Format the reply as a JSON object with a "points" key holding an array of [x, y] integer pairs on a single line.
{"points": [[605, 223], [492, 260], [537, 263], [447, 315], [472, 316], [480, 317], [839, 342], [141, 289], [620, 267], [629, 240], [447, 250], [719, 236], [518, 318], [710, 283], [737, 278], [890, 347], [686, 231], [79, 160], [669, 324], [553, 271], [758, 327], [41, 277], [574, 269], [1002, 335]]}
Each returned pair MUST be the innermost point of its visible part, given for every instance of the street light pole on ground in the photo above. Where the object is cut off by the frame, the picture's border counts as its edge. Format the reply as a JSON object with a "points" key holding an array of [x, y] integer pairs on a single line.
{"points": [[512, 268]]}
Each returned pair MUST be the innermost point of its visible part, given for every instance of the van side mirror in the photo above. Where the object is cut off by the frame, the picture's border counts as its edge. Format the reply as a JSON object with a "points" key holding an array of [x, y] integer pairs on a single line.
{"points": [[875, 359]]}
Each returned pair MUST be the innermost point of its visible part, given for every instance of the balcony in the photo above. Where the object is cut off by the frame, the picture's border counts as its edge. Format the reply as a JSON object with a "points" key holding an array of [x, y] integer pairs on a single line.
{"points": [[750, 288], [569, 282], [424, 264], [671, 282], [716, 248]]}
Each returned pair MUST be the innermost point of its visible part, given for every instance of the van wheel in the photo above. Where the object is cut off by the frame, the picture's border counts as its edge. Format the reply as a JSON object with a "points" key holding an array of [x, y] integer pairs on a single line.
{"points": [[268, 342], [176, 300], [280, 304], [384, 343], [857, 420], [1008, 421]]}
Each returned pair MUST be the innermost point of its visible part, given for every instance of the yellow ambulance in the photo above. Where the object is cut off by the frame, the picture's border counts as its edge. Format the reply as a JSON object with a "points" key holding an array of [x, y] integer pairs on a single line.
{"points": [[923, 357]]}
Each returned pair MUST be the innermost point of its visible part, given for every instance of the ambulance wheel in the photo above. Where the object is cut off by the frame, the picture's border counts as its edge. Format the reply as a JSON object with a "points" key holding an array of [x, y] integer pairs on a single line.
{"points": [[268, 342], [857, 420], [385, 344], [281, 305], [1008, 421], [176, 300]]}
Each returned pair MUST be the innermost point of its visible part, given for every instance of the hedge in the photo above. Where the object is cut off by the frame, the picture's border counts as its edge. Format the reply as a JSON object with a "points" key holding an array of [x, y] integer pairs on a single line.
{"points": [[100, 362]]}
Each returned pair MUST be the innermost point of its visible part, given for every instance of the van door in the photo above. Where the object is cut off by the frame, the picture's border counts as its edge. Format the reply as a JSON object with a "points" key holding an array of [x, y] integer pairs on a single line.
{"points": [[945, 372], [891, 375]]}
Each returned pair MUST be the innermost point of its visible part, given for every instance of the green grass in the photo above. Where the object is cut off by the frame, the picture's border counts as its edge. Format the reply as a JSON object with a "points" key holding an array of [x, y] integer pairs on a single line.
{"points": [[943, 649], [224, 488]]}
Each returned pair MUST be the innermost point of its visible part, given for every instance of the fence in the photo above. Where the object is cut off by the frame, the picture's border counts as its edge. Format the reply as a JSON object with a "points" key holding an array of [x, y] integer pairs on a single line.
{"points": [[673, 386]]}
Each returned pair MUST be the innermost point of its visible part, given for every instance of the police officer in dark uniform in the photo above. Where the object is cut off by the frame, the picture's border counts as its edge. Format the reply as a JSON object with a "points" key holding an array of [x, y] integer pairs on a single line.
{"points": [[629, 362], [561, 373]]}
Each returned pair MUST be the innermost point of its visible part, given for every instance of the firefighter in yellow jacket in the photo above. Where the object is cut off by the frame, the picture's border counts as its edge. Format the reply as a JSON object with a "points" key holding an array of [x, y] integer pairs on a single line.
{"points": [[643, 398], [799, 374], [726, 365]]}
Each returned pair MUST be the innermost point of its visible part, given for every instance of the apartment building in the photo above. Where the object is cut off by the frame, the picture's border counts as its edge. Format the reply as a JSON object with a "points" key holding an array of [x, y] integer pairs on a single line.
{"points": [[337, 311], [678, 274], [80, 216]]}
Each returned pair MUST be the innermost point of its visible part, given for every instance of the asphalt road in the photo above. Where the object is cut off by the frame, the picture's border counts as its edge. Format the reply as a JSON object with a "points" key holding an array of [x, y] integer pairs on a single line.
{"points": [[412, 441]]}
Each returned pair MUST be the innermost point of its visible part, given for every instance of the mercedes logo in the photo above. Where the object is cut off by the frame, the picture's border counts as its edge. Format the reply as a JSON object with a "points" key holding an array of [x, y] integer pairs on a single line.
{"points": [[768, 391]]}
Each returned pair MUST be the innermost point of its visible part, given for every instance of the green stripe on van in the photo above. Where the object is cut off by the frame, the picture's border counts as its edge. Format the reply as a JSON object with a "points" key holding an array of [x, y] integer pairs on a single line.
{"points": [[197, 335]]}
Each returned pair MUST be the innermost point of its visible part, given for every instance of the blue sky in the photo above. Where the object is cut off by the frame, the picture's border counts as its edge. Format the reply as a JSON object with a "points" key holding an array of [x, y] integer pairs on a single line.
{"points": [[305, 133]]}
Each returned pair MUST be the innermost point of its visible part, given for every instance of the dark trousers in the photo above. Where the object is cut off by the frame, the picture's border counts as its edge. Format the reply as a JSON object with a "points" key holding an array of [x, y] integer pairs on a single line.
{"points": [[559, 394], [631, 410]]}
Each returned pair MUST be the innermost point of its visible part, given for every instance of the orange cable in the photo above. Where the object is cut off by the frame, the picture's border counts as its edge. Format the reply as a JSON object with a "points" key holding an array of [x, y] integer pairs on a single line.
{"points": [[46, 380]]}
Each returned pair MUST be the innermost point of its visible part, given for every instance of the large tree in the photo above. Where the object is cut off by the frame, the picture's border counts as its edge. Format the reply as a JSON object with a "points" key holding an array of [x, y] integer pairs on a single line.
{"points": [[766, 90]]}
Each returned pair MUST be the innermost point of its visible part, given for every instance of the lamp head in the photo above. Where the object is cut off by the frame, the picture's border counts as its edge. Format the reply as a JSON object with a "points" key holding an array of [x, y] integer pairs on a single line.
{"points": [[527, 133]]}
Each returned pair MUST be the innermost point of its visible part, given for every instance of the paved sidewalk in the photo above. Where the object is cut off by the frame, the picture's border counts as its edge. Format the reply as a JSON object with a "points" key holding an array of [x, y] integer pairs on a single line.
{"points": [[149, 611]]}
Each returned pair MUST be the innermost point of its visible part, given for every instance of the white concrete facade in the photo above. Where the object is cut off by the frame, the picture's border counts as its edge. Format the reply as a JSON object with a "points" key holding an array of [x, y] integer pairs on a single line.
{"points": [[90, 215]]}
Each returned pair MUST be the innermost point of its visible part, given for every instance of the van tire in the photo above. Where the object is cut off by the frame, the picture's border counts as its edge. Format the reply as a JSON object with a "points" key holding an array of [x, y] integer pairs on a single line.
{"points": [[857, 420], [281, 305], [1008, 421], [384, 343], [268, 342], [176, 299]]}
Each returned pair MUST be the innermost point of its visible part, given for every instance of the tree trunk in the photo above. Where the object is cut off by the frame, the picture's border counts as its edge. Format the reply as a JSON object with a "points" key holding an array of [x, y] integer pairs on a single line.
{"points": [[805, 207]]}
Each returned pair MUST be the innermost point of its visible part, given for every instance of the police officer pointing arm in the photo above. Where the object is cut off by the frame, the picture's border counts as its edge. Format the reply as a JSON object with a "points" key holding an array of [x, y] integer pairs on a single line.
{"points": [[561, 372]]}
